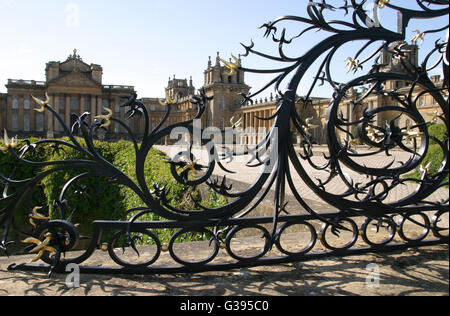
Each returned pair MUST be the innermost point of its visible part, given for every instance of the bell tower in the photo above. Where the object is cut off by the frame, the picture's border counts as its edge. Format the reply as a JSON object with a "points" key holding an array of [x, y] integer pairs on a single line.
{"points": [[180, 88], [226, 91]]}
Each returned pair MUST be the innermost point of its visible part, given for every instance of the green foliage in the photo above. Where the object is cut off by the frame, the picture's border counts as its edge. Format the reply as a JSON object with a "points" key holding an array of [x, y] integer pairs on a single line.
{"points": [[100, 201], [433, 158], [435, 154], [10, 167], [437, 131]]}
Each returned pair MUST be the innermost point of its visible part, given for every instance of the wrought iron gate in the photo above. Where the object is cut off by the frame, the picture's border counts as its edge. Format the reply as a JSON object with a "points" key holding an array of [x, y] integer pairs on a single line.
{"points": [[367, 215]]}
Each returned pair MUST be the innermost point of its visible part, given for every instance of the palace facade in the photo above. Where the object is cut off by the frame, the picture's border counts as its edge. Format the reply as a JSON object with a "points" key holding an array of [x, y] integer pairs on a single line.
{"points": [[77, 87]]}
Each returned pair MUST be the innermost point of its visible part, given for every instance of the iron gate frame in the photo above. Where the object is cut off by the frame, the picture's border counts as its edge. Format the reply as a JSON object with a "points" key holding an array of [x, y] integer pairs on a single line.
{"points": [[62, 235]]}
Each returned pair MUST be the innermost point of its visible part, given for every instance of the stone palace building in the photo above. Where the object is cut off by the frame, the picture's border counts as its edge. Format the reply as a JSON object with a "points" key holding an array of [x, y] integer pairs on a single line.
{"points": [[75, 86]]}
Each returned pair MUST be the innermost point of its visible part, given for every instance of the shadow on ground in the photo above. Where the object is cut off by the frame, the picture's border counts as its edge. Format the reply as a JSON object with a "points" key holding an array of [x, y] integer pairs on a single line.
{"points": [[415, 272]]}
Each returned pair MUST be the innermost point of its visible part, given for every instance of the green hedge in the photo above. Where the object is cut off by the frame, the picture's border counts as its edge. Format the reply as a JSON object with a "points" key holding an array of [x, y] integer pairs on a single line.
{"points": [[435, 154], [438, 131], [9, 167], [107, 202]]}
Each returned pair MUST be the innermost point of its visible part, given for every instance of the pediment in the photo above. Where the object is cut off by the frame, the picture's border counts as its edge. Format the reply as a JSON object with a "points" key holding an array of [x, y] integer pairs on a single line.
{"points": [[75, 79], [75, 65]]}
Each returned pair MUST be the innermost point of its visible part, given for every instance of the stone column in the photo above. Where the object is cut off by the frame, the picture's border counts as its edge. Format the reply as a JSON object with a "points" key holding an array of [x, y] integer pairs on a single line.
{"points": [[234, 78], [350, 117], [120, 114], [82, 102], [249, 127], [7, 114], [55, 103], [20, 124], [49, 116], [93, 107], [67, 111], [252, 128], [257, 126], [99, 105], [262, 122], [32, 117], [263, 125], [259, 115]]}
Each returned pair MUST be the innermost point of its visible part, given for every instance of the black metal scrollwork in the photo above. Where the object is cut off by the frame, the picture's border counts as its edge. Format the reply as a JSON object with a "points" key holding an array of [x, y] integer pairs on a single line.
{"points": [[364, 206]]}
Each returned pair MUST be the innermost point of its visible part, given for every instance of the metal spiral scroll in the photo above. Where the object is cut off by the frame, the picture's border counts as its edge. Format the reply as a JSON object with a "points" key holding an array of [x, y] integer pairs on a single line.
{"points": [[369, 198]]}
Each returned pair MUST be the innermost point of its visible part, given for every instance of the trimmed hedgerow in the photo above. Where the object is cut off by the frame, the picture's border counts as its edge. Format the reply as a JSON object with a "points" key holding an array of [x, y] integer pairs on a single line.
{"points": [[99, 201], [94, 198], [438, 131], [435, 154], [434, 159], [11, 168]]}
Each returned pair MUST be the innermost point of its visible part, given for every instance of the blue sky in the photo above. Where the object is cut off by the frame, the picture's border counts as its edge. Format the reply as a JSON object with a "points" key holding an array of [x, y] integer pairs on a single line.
{"points": [[140, 42]]}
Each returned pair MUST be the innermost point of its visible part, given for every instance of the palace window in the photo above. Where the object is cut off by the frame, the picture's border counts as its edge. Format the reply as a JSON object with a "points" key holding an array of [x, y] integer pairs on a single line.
{"points": [[117, 106], [26, 104], [62, 103], [422, 101], [60, 126], [15, 122], [408, 123], [26, 122], [86, 104], [74, 104], [15, 103], [39, 122], [106, 103]]}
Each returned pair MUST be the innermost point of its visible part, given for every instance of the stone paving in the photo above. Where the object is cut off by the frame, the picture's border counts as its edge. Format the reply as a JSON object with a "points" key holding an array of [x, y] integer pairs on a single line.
{"points": [[416, 272]]}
